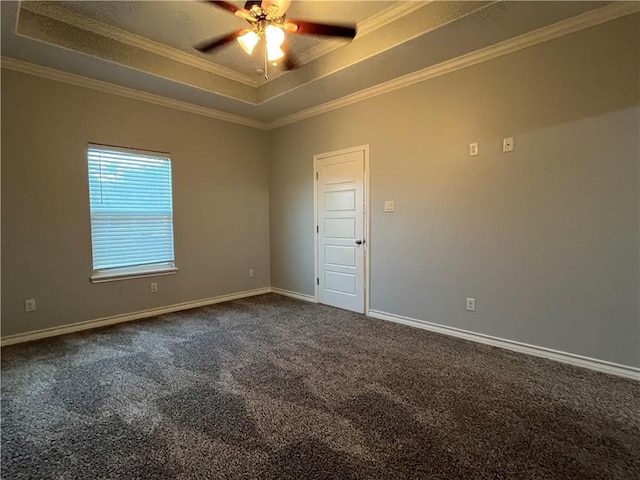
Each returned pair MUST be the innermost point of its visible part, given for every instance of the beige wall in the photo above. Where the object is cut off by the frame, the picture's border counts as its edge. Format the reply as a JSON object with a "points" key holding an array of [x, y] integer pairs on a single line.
{"points": [[545, 238], [220, 182]]}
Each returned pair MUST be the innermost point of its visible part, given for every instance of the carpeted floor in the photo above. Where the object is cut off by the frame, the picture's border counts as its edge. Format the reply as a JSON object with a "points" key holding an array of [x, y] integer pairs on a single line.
{"points": [[274, 388]]}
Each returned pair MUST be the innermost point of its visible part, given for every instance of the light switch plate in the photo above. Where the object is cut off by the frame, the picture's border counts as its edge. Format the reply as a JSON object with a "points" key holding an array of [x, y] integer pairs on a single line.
{"points": [[389, 206]]}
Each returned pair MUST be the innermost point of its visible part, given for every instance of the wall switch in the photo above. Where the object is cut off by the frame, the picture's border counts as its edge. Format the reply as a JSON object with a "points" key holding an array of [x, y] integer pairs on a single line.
{"points": [[389, 206], [471, 304], [30, 305], [154, 287], [473, 149], [251, 273], [507, 144]]}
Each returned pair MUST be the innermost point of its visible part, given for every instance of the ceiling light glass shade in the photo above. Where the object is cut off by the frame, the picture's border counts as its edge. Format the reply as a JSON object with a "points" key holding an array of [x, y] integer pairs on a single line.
{"points": [[275, 36], [274, 53], [248, 41]]}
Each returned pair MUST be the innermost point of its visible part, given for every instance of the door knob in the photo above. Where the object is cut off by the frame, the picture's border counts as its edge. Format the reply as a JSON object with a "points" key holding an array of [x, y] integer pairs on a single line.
{"points": [[359, 242]]}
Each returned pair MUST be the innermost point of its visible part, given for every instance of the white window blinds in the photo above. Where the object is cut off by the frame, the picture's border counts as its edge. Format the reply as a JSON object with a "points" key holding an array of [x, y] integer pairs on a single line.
{"points": [[131, 211]]}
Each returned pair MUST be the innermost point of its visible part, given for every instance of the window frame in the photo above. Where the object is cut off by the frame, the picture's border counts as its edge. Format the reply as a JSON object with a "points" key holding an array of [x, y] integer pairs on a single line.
{"points": [[130, 271]]}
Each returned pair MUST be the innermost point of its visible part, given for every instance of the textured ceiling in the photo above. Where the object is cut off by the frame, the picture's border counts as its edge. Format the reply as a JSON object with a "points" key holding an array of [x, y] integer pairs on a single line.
{"points": [[183, 24], [148, 46]]}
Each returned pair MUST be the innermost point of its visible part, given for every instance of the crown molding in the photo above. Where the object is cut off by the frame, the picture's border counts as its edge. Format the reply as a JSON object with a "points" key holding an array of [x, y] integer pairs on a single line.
{"points": [[580, 22], [544, 34], [73, 79], [63, 15], [365, 27], [388, 46], [389, 15]]}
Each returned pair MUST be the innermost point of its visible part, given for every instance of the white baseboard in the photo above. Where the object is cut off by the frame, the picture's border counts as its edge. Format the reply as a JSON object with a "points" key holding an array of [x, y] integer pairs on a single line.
{"points": [[127, 317], [564, 357], [299, 296]]}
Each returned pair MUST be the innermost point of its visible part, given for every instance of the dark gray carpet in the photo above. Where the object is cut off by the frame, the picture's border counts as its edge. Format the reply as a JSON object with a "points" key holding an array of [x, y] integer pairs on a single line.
{"points": [[274, 388]]}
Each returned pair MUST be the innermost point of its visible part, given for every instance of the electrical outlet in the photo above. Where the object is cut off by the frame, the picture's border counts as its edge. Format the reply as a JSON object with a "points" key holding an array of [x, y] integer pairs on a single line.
{"points": [[30, 305], [471, 304], [251, 273], [154, 287], [473, 149]]}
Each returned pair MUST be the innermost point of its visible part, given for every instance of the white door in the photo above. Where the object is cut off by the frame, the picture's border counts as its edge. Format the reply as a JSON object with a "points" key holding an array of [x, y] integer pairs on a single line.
{"points": [[341, 243]]}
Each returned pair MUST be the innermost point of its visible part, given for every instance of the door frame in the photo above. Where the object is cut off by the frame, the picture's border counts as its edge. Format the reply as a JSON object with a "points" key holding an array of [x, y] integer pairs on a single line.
{"points": [[366, 213]]}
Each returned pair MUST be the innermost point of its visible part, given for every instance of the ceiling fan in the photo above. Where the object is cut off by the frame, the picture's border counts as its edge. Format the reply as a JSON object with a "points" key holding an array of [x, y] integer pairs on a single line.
{"points": [[269, 24]]}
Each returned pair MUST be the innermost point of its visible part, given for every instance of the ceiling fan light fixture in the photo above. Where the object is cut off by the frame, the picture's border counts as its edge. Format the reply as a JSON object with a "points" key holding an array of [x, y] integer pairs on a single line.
{"points": [[275, 39], [267, 19], [248, 41], [274, 53], [275, 36]]}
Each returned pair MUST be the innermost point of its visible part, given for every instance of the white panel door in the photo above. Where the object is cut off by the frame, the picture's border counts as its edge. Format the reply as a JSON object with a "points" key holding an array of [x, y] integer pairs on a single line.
{"points": [[341, 242]]}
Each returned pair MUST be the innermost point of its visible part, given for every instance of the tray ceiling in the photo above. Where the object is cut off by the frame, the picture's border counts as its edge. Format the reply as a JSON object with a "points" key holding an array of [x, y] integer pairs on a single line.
{"points": [[148, 46]]}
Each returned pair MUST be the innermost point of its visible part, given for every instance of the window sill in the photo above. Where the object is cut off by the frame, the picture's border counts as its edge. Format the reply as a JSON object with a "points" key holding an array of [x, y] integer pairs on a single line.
{"points": [[133, 272]]}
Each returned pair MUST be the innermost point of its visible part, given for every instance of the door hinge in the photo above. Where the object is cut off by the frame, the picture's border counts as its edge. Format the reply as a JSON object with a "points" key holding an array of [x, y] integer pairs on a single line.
{"points": [[316, 175], [317, 281], [317, 229]]}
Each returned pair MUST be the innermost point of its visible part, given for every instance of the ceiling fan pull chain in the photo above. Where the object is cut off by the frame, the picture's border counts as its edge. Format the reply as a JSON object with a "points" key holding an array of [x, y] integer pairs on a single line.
{"points": [[266, 62]]}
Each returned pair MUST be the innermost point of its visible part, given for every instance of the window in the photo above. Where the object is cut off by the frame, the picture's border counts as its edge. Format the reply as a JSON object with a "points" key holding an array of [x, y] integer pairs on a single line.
{"points": [[131, 213]]}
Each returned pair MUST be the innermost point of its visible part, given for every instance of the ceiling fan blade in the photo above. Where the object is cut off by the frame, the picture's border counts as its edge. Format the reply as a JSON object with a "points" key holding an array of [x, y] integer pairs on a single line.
{"points": [[310, 28], [281, 5], [209, 45], [250, 3], [230, 7]]}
